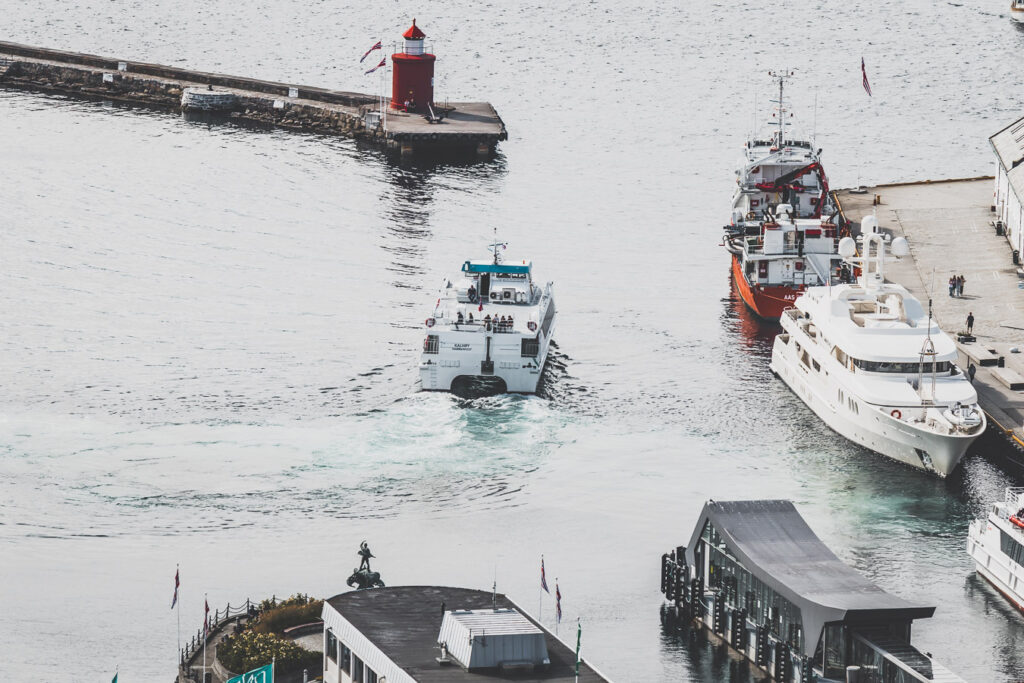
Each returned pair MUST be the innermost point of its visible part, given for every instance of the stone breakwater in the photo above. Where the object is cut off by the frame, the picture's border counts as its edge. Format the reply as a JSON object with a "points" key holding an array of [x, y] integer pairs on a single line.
{"points": [[474, 126]]}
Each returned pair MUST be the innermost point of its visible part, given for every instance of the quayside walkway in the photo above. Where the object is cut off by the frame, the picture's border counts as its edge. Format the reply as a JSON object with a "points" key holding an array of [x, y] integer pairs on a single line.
{"points": [[951, 231]]}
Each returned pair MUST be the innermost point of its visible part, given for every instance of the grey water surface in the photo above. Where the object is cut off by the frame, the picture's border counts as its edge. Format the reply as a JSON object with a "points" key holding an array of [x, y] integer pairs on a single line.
{"points": [[209, 333]]}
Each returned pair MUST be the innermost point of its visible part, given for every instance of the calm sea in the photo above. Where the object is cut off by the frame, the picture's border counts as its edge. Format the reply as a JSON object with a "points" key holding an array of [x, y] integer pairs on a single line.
{"points": [[209, 334]]}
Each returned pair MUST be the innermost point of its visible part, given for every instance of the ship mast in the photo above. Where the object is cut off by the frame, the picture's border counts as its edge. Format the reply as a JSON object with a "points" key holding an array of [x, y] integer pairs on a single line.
{"points": [[781, 77]]}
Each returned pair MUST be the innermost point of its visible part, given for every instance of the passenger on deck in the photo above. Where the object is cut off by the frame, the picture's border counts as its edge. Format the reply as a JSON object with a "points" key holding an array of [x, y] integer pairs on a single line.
{"points": [[472, 294], [471, 317], [511, 325], [487, 322], [459, 320]]}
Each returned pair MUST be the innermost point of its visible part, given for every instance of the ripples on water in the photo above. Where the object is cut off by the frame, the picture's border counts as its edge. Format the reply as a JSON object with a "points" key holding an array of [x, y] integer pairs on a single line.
{"points": [[209, 334]]}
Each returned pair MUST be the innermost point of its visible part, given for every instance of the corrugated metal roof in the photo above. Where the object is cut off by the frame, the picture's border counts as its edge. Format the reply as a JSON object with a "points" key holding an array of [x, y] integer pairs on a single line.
{"points": [[1009, 144], [773, 542], [494, 621]]}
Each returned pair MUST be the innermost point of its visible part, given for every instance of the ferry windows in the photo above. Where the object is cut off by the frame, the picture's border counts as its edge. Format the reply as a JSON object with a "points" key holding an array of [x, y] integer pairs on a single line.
{"points": [[840, 355], [371, 675], [357, 669], [817, 367], [1011, 548]]}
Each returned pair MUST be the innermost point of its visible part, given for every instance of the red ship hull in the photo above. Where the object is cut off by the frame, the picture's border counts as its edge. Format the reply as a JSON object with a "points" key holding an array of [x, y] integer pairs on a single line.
{"points": [[765, 302]]}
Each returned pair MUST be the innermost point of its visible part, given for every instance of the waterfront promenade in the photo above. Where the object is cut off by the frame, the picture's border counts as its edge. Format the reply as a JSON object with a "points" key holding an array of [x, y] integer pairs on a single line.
{"points": [[949, 226]]}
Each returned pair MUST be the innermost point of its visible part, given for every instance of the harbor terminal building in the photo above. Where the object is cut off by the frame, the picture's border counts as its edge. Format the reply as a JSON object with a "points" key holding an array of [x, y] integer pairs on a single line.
{"points": [[756, 575], [433, 634], [1008, 198]]}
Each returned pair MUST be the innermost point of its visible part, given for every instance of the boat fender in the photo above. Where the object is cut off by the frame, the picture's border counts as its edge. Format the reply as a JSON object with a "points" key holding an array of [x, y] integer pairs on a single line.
{"points": [[897, 414], [430, 322], [532, 325]]}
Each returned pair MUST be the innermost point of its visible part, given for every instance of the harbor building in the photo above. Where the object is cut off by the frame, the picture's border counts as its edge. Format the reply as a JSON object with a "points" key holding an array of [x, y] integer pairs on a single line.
{"points": [[434, 634], [1008, 145], [756, 575]]}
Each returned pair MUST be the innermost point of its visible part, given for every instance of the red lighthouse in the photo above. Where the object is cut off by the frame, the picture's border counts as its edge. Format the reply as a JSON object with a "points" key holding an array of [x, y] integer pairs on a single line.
{"points": [[412, 86]]}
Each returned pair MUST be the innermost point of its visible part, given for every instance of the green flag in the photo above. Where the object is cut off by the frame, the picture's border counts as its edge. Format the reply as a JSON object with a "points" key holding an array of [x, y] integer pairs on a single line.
{"points": [[264, 674], [579, 636]]}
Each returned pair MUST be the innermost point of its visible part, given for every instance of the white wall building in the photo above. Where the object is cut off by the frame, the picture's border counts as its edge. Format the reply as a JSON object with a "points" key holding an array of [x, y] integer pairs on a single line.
{"points": [[432, 634], [1008, 199]]}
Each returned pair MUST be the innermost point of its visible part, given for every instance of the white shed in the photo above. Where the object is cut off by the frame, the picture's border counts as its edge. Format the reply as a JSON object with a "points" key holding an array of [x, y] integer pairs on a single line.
{"points": [[1008, 198], [493, 638]]}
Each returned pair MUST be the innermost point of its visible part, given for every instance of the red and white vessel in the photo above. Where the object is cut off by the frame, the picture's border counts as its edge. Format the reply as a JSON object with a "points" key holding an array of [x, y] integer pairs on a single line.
{"points": [[783, 234]]}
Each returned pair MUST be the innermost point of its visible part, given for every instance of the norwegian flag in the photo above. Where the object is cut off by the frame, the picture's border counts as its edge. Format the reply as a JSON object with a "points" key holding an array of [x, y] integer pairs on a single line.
{"points": [[558, 603], [366, 54], [382, 63], [177, 582], [864, 72], [206, 616], [543, 576]]}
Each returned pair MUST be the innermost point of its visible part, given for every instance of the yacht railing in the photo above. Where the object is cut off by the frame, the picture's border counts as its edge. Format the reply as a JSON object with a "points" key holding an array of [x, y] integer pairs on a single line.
{"points": [[1014, 499]]}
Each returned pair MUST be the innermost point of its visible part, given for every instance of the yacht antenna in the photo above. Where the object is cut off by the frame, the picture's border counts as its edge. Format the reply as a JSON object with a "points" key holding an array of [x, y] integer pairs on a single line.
{"points": [[494, 247]]}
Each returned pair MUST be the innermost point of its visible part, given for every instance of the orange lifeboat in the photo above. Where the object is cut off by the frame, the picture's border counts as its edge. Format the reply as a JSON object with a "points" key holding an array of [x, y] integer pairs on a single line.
{"points": [[1017, 521]]}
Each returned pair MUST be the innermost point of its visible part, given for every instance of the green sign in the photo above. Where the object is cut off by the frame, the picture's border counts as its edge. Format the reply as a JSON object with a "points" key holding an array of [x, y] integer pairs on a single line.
{"points": [[264, 674]]}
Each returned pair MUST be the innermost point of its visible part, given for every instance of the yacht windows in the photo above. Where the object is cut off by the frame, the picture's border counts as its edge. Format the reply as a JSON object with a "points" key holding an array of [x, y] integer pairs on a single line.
{"points": [[817, 367], [941, 367], [1011, 548]]}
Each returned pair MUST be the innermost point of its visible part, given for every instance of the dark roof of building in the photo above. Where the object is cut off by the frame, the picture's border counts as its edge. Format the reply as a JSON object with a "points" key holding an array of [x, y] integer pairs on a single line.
{"points": [[773, 542], [414, 32], [404, 622]]}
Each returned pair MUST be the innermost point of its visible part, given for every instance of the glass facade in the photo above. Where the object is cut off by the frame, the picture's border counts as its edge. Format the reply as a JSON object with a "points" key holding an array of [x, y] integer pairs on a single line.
{"points": [[764, 606]]}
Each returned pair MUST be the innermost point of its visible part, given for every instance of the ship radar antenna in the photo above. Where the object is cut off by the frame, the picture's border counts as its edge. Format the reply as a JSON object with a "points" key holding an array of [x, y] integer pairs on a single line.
{"points": [[781, 76], [496, 245]]}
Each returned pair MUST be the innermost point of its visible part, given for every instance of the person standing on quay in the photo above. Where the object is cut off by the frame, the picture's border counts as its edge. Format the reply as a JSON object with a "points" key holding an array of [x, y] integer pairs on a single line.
{"points": [[960, 289], [970, 322], [952, 284]]}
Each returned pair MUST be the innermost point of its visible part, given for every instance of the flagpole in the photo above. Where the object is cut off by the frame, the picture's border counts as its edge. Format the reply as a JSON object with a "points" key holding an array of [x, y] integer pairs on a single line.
{"points": [[205, 621], [558, 606], [177, 579]]}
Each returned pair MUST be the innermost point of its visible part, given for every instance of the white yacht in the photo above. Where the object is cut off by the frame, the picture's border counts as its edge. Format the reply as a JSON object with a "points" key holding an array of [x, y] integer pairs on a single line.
{"points": [[997, 546], [490, 329], [875, 367]]}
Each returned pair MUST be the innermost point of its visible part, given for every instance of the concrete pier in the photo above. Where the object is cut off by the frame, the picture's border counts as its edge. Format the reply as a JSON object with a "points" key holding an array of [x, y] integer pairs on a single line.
{"points": [[950, 228], [473, 127]]}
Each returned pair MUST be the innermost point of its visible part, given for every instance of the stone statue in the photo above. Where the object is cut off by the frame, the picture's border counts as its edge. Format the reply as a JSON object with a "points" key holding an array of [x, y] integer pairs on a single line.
{"points": [[363, 577], [364, 552]]}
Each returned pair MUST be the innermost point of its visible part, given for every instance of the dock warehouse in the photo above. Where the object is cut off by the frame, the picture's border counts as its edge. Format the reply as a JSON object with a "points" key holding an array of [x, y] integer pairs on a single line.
{"points": [[1008, 145]]}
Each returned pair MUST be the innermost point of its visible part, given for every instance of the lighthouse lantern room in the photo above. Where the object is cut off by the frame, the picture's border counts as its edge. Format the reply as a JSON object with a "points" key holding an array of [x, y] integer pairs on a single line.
{"points": [[412, 85]]}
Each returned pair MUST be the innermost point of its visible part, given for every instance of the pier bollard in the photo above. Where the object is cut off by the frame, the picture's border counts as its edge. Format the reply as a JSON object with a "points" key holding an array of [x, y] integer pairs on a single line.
{"points": [[853, 674]]}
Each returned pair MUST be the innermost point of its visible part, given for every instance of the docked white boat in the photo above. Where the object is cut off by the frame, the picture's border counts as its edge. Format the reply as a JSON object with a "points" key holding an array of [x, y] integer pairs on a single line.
{"points": [[870, 362], [490, 329], [997, 546], [1017, 10]]}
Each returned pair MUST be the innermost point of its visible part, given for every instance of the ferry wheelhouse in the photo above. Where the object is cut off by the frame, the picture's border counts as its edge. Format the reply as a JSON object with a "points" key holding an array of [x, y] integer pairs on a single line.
{"points": [[490, 329], [756, 575], [773, 261], [870, 362], [996, 545]]}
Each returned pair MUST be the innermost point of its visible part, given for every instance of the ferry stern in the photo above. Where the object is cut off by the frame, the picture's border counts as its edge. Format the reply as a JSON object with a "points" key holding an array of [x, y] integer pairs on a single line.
{"points": [[490, 330]]}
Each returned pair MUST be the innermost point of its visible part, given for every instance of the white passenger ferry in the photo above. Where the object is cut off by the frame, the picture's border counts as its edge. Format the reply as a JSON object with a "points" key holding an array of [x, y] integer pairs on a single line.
{"points": [[875, 367], [997, 546], [490, 330]]}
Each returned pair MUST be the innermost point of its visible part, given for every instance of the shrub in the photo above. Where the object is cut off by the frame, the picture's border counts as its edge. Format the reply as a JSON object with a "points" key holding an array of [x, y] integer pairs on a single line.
{"points": [[297, 599], [249, 650], [286, 615]]}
